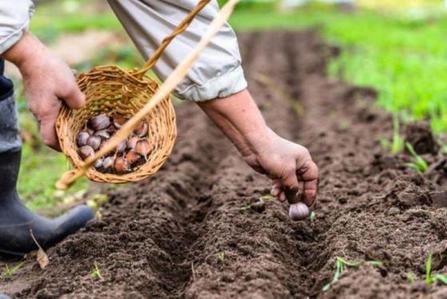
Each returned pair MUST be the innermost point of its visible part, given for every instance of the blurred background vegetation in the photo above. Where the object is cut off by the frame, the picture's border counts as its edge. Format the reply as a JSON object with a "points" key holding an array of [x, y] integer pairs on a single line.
{"points": [[397, 47]]}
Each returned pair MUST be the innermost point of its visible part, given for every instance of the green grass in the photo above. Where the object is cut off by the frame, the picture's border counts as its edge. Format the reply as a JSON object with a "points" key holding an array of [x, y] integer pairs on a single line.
{"points": [[404, 58]]}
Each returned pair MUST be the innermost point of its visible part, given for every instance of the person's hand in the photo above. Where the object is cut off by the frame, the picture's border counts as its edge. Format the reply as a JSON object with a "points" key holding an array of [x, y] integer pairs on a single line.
{"points": [[294, 174], [48, 82]]}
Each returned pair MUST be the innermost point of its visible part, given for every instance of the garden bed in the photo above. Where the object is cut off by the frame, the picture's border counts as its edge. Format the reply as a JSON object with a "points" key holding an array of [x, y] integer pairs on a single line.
{"points": [[187, 232]]}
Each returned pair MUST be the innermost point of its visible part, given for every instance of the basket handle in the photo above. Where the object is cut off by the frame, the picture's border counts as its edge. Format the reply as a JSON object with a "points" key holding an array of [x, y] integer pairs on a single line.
{"points": [[162, 92], [167, 40]]}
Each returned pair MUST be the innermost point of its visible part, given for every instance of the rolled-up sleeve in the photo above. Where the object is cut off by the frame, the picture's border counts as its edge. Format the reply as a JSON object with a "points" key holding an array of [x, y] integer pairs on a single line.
{"points": [[218, 71], [14, 20]]}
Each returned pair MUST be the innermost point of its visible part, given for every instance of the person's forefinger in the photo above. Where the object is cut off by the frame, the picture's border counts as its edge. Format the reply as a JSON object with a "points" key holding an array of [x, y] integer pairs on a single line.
{"points": [[310, 178], [74, 98]]}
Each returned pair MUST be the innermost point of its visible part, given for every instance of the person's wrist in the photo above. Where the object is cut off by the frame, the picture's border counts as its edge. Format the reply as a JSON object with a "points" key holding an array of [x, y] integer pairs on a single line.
{"points": [[24, 53], [259, 139]]}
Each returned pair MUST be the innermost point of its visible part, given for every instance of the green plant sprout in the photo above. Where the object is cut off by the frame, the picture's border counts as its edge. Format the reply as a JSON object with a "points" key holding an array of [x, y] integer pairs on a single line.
{"points": [[221, 256], [10, 271], [418, 163], [398, 142], [375, 263], [312, 216], [259, 205], [341, 265], [96, 273], [429, 277]]}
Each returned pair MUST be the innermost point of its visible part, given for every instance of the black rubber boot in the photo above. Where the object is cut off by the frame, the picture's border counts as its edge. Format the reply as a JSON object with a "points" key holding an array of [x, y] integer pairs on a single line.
{"points": [[17, 221]]}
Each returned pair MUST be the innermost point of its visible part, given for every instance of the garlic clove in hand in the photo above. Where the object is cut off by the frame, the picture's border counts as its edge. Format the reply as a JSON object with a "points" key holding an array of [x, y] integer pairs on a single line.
{"points": [[298, 211]]}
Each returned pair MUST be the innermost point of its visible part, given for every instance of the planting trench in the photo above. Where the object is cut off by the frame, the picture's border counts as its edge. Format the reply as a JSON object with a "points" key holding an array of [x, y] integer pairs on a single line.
{"points": [[183, 234]]}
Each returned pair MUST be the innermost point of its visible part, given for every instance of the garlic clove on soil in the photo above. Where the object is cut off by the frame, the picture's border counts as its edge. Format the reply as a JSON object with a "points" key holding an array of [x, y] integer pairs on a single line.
{"points": [[82, 138], [298, 211], [99, 122], [86, 151]]}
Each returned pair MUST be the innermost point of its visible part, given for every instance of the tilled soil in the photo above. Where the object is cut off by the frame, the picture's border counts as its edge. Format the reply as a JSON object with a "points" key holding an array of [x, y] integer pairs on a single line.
{"points": [[186, 234]]}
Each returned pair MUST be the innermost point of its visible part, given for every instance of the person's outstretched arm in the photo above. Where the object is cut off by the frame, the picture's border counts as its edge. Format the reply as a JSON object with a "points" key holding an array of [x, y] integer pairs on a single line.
{"points": [[47, 79], [288, 164], [217, 84]]}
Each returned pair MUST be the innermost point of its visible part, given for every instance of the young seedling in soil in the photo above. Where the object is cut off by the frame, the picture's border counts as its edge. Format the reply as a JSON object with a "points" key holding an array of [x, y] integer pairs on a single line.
{"points": [[221, 256], [258, 206], [429, 277], [341, 265], [396, 145], [398, 142], [10, 271], [418, 163], [96, 273], [312, 216]]}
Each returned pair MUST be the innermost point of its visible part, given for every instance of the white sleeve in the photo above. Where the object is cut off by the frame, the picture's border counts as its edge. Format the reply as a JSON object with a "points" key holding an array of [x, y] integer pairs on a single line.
{"points": [[14, 20], [217, 73]]}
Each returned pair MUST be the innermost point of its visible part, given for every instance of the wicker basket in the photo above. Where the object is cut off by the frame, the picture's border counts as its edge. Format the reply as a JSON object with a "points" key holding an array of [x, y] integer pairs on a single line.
{"points": [[110, 89]]}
